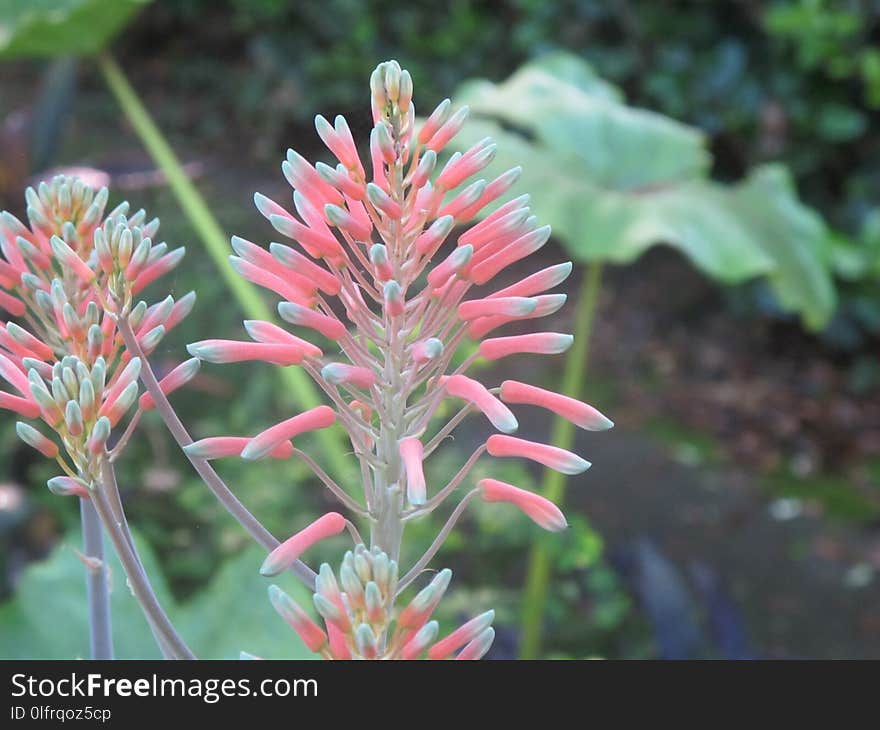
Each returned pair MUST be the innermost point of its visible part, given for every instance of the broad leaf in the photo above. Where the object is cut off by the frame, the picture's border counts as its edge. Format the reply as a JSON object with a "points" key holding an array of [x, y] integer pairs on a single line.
{"points": [[61, 27], [614, 181], [48, 618]]}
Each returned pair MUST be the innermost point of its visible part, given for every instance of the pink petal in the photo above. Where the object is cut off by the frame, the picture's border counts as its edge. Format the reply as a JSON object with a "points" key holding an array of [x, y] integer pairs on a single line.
{"points": [[411, 454], [226, 351]]}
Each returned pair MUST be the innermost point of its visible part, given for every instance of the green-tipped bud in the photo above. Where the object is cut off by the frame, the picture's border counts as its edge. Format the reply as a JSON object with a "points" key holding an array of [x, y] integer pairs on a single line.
{"points": [[73, 418]]}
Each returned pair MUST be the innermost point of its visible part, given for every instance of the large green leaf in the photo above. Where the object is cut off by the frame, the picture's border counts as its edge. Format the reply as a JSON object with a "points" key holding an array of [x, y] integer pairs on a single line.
{"points": [[614, 181], [61, 27], [48, 618]]}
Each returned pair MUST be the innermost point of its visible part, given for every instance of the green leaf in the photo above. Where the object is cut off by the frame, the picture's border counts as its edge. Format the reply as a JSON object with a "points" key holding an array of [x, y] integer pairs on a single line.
{"points": [[61, 27], [48, 617], [614, 181]]}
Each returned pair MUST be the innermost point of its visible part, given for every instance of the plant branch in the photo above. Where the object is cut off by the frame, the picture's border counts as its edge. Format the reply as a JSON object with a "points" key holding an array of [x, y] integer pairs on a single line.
{"points": [[97, 589]]}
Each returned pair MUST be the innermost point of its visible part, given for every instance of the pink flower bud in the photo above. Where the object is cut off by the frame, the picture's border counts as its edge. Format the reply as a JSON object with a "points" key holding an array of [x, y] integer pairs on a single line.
{"points": [[462, 635], [175, 380], [542, 511], [295, 261], [341, 145], [158, 269], [271, 333], [11, 373], [12, 305], [68, 487], [297, 314], [538, 343], [265, 442], [262, 259], [471, 162], [219, 447], [477, 648], [523, 246], [419, 642], [460, 386], [451, 265], [411, 454], [424, 351], [69, 259], [311, 634], [579, 413], [504, 306], [339, 373], [288, 552], [493, 191], [22, 406], [225, 351], [550, 456], [435, 121], [394, 301], [282, 287], [545, 305], [450, 128], [428, 243]]}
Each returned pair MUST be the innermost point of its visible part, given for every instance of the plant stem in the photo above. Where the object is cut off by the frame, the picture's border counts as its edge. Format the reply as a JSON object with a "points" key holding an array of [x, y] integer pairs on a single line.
{"points": [[134, 572], [97, 590], [553, 483], [214, 239], [210, 477]]}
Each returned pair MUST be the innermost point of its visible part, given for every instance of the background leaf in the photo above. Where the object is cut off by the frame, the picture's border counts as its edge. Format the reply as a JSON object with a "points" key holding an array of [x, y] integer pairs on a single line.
{"points": [[614, 181], [61, 27], [48, 618]]}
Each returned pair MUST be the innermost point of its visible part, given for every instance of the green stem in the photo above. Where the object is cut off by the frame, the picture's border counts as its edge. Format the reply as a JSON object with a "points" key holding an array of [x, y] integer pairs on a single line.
{"points": [[215, 240], [553, 483], [100, 633]]}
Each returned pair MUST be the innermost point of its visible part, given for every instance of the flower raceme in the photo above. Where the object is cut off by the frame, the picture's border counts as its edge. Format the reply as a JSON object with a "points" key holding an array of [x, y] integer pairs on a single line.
{"points": [[387, 277], [68, 276]]}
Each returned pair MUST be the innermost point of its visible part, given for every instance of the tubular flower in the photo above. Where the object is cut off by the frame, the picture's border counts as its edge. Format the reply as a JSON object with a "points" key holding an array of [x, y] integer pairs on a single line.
{"points": [[380, 271], [69, 274]]}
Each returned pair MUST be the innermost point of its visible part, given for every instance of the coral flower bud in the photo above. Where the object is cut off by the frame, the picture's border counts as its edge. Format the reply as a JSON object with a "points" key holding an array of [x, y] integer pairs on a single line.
{"points": [[477, 648], [538, 343], [11, 374], [68, 487], [542, 511], [450, 128], [425, 167], [411, 454], [461, 386], [218, 447], [393, 295], [418, 643], [225, 351], [158, 269], [288, 552], [295, 261], [14, 306], [422, 606], [264, 443], [68, 258], [311, 634], [579, 413], [464, 634], [505, 306], [379, 259], [35, 439], [271, 333], [383, 202], [424, 351], [523, 246], [339, 373], [452, 264], [433, 237], [175, 380], [550, 456], [328, 326], [22, 406], [365, 641]]}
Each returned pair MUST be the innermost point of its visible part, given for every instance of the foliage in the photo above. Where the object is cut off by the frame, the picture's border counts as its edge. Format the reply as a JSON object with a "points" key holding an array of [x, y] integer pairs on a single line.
{"points": [[48, 618], [614, 181], [61, 27]]}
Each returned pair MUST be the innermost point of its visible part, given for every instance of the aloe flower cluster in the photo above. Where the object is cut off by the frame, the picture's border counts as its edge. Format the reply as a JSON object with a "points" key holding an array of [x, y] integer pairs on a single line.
{"points": [[390, 289], [69, 275]]}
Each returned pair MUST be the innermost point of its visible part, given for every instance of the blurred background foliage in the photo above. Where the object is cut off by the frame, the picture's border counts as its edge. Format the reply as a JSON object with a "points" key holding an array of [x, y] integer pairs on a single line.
{"points": [[741, 134]]}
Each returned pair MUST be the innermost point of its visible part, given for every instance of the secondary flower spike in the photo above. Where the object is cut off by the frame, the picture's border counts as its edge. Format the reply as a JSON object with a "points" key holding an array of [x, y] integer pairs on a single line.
{"points": [[396, 266]]}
